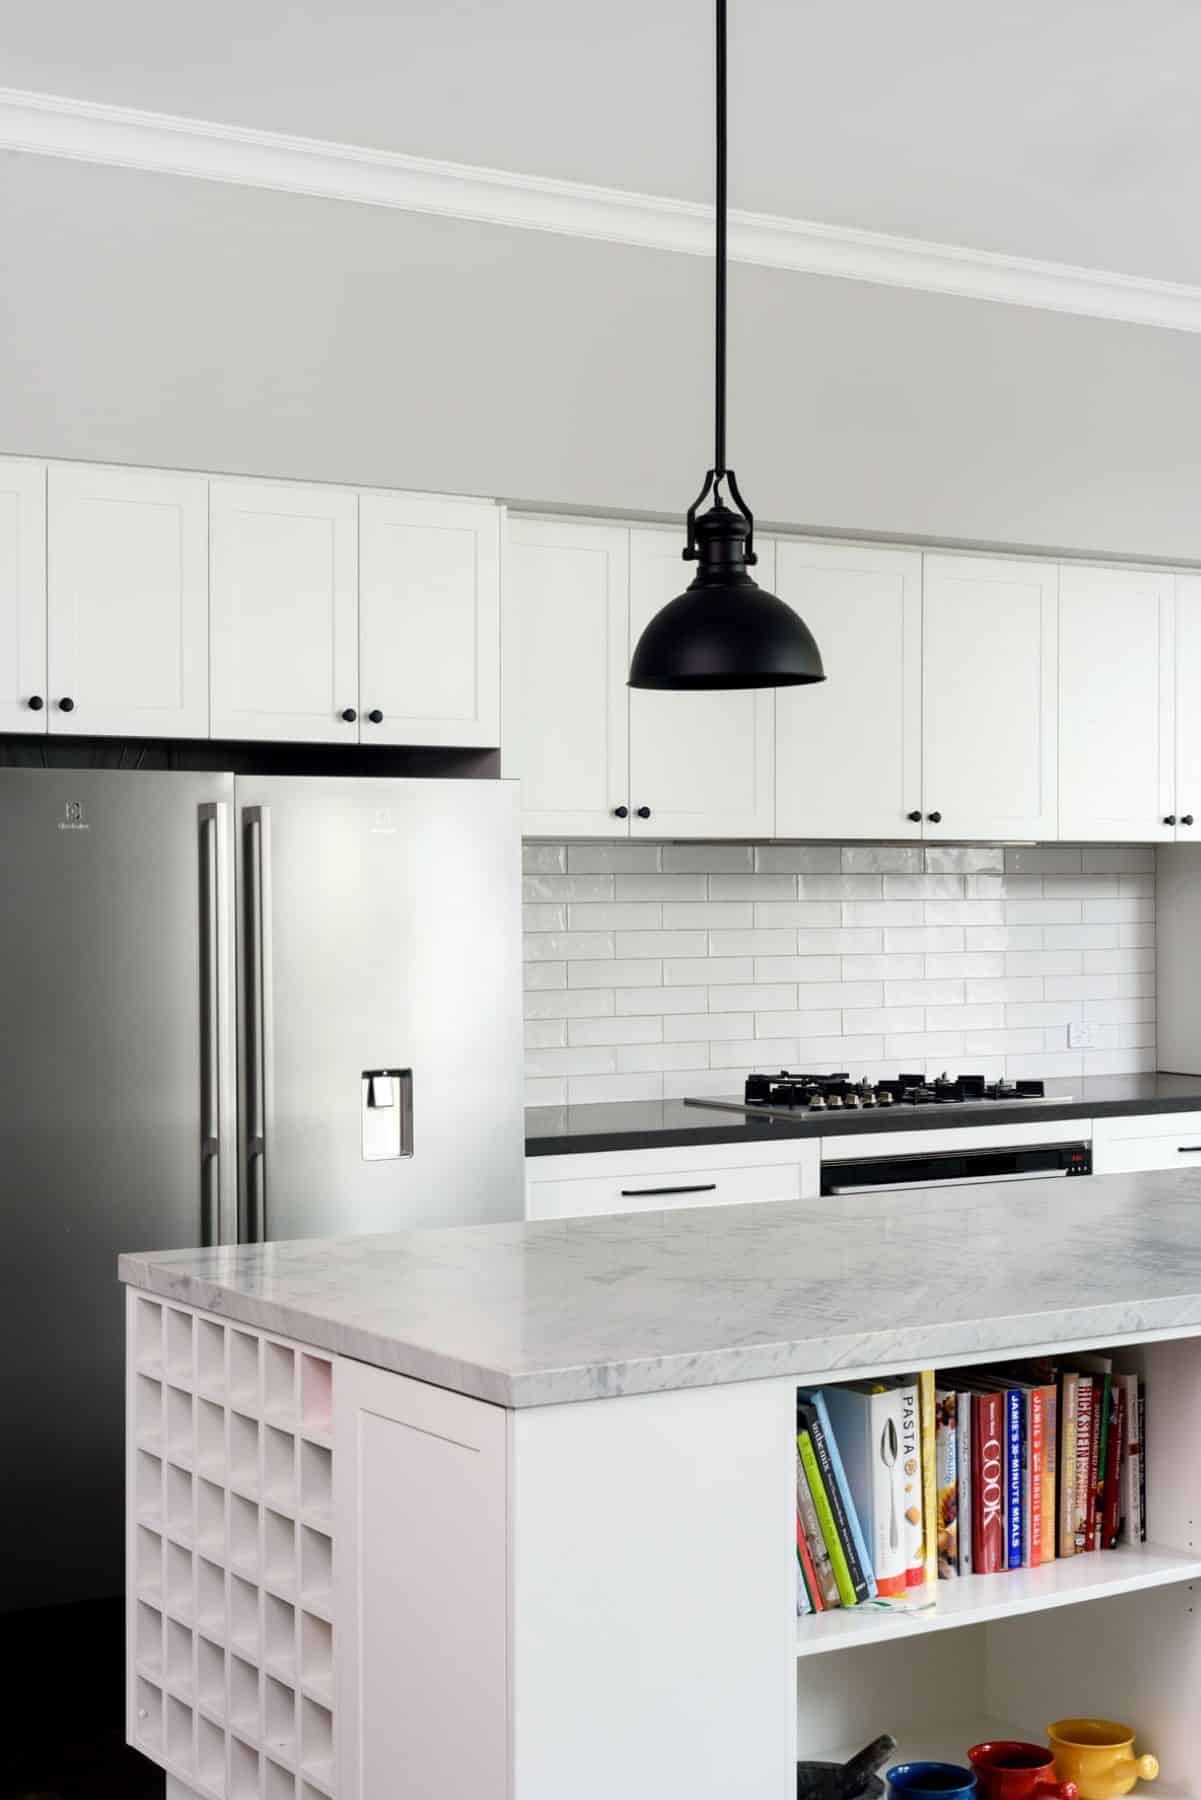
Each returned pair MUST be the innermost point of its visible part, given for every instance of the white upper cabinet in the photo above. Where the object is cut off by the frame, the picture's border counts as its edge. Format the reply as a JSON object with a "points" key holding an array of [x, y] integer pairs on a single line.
{"points": [[127, 584], [701, 765], [566, 638], [22, 595], [429, 620], [989, 660], [848, 750], [1116, 704], [1187, 804], [285, 651]]}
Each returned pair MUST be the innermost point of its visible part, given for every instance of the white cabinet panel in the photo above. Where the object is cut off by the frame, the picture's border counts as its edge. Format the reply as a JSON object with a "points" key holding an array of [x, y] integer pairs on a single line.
{"points": [[848, 751], [429, 620], [284, 612], [22, 595], [1187, 797], [1116, 706], [989, 647], [702, 763], [127, 576], [566, 655]]}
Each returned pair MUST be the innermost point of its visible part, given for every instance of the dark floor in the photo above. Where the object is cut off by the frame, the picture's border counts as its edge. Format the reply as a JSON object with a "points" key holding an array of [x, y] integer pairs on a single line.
{"points": [[64, 1734]]}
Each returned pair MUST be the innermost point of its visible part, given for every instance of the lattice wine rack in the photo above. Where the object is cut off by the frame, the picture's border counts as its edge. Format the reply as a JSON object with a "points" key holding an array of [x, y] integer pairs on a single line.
{"points": [[231, 1545]]}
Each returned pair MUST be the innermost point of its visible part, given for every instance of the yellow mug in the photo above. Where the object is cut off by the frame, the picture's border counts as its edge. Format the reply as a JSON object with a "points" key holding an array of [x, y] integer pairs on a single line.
{"points": [[1098, 1755]]}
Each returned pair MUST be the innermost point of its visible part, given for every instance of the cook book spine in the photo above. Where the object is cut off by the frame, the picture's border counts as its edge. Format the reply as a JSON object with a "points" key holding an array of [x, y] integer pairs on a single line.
{"points": [[988, 1484], [860, 1558]]}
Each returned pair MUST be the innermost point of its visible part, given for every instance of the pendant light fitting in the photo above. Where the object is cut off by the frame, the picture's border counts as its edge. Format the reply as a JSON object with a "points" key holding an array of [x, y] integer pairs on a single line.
{"points": [[724, 630]]}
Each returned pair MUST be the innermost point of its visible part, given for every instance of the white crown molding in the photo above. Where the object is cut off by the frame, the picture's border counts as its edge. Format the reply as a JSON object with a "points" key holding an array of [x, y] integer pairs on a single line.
{"points": [[87, 131]]}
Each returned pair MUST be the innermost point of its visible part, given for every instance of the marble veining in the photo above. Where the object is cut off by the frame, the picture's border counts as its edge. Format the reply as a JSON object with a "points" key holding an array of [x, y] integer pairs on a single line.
{"points": [[583, 1309]]}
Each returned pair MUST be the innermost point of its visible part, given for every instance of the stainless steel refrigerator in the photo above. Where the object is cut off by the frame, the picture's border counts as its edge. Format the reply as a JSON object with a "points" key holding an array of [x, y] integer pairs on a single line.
{"points": [[253, 1008]]}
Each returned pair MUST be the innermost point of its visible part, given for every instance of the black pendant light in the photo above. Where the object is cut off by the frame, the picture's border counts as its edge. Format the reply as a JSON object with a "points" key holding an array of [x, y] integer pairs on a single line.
{"points": [[723, 631]]}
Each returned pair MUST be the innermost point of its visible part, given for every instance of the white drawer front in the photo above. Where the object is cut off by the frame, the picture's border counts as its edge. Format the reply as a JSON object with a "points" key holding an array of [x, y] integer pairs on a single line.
{"points": [[1182, 1125], [1121, 1155], [662, 1190]]}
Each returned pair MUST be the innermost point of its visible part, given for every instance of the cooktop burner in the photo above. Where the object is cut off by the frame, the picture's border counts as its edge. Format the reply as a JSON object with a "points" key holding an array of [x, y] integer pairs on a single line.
{"points": [[836, 1093]]}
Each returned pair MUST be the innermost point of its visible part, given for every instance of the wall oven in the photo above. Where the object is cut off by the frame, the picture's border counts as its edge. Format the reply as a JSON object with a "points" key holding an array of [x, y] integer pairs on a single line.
{"points": [[956, 1168]]}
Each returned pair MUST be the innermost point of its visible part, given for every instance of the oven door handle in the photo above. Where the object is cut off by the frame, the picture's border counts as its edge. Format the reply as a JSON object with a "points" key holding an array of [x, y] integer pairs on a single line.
{"points": [[892, 1187]]}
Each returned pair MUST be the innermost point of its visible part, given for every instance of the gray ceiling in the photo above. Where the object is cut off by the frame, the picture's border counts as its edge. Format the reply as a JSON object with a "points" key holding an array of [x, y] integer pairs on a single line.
{"points": [[1061, 129]]}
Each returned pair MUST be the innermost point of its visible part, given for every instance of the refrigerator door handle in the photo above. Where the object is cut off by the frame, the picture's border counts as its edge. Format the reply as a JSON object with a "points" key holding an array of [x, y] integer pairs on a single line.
{"points": [[258, 1015], [214, 889]]}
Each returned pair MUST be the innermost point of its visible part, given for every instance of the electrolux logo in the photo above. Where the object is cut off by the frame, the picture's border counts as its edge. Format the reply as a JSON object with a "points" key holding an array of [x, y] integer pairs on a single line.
{"points": [[73, 819]]}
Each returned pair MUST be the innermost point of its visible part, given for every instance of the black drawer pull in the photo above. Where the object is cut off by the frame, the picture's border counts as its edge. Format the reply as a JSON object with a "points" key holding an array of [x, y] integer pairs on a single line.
{"points": [[1188, 1149], [703, 1187]]}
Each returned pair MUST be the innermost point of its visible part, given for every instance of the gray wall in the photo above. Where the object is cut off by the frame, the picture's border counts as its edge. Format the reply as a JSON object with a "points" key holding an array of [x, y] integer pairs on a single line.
{"points": [[158, 320]]}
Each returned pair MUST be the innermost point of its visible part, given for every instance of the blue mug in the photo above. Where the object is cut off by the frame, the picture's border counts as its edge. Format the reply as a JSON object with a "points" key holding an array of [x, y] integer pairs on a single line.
{"points": [[927, 1780]]}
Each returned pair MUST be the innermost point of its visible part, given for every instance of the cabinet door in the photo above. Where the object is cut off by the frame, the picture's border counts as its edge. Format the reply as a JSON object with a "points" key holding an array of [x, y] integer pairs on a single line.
{"points": [[22, 595], [429, 620], [285, 653], [128, 602], [1187, 797], [701, 763], [1116, 706], [848, 751], [989, 656], [566, 712]]}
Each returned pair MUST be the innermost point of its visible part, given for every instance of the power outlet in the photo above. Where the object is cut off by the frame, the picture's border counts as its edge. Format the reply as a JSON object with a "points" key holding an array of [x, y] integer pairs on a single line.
{"points": [[1082, 1036]]}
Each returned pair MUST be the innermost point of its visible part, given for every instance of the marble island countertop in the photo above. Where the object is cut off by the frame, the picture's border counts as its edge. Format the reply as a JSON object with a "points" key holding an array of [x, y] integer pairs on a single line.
{"points": [[584, 1309]]}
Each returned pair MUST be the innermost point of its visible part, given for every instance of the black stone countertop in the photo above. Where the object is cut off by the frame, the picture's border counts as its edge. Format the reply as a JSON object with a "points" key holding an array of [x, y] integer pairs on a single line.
{"points": [[667, 1124]]}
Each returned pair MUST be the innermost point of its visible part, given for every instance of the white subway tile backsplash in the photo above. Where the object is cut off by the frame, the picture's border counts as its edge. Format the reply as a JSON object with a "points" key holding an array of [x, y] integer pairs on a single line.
{"points": [[660, 970]]}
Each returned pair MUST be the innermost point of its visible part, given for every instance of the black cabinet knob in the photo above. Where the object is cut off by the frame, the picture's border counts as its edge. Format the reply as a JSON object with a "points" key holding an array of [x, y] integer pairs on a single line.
{"points": [[1187, 819], [934, 818], [1171, 819], [376, 716], [621, 812], [35, 703], [644, 812], [349, 714], [915, 818], [66, 704]]}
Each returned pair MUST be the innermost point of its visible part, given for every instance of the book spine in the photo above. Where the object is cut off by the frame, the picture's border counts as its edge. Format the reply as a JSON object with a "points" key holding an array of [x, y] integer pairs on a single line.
{"points": [[964, 1424], [925, 1388], [1050, 1394], [1111, 1516], [1103, 1452], [1013, 1477], [1142, 1460], [911, 1486], [862, 1563], [946, 1482], [988, 1485], [1084, 1438], [1094, 1460], [837, 1514], [1068, 1404], [829, 1530], [1034, 1461], [808, 1573], [823, 1568]]}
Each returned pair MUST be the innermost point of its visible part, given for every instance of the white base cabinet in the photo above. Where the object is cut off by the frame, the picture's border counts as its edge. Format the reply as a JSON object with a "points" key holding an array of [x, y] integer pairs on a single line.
{"points": [[345, 1584], [22, 596], [658, 1180]]}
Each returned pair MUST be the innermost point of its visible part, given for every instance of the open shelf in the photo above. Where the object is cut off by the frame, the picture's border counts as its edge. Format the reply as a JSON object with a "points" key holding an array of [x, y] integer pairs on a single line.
{"points": [[974, 1599]]}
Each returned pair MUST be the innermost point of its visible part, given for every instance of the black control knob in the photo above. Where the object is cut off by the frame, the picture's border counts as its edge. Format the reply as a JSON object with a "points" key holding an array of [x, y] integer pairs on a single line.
{"points": [[376, 716], [915, 818], [66, 704], [35, 703], [621, 812], [349, 714], [1187, 819], [934, 818], [644, 812], [1171, 819]]}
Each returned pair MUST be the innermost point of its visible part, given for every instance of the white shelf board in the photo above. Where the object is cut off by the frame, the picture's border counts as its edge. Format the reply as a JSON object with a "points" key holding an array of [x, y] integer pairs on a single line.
{"points": [[973, 1599]]}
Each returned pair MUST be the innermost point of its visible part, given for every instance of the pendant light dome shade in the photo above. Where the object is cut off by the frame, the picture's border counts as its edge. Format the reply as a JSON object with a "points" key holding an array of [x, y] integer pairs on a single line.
{"points": [[724, 630]]}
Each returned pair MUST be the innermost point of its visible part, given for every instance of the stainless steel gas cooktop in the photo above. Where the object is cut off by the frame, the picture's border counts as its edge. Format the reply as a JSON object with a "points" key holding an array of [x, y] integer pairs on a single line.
{"points": [[787, 1095]]}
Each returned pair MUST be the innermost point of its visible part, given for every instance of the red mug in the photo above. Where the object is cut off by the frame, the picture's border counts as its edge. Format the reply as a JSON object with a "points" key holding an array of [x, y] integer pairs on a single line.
{"points": [[1013, 1771]]}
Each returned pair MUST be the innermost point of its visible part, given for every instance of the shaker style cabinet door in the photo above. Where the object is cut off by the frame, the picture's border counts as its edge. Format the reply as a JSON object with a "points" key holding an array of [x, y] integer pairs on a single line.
{"points": [[127, 596], [566, 656], [849, 749], [429, 620], [22, 595], [1187, 799], [989, 659], [285, 660], [700, 764], [1116, 705]]}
